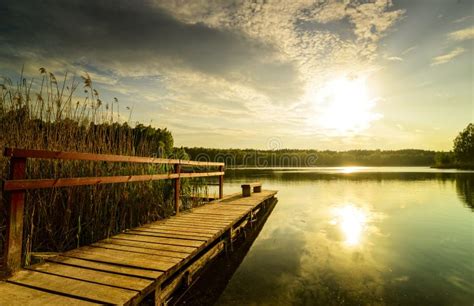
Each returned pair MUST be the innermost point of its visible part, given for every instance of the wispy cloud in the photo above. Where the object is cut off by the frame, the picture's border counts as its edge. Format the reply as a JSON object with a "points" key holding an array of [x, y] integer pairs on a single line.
{"points": [[395, 58], [461, 35], [445, 58], [406, 51], [462, 19]]}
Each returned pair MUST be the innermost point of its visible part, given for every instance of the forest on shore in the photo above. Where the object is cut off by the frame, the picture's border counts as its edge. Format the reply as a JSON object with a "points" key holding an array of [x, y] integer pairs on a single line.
{"points": [[461, 157], [313, 158]]}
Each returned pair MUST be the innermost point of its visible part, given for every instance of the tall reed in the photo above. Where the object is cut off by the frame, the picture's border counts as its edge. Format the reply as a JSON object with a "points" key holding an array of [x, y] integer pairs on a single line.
{"points": [[69, 115]]}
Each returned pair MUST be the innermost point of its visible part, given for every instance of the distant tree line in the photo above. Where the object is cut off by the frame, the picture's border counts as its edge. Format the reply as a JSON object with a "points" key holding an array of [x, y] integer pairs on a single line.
{"points": [[462, 156], [311, 158]]}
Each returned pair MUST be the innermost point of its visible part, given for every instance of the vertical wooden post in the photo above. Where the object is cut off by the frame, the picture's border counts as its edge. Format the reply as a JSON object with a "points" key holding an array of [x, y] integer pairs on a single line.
{"points": [[221, 183], [15, 208], [158, 297], [177, 186]]}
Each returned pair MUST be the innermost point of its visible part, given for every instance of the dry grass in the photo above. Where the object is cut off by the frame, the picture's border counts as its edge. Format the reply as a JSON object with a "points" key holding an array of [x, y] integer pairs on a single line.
{"points": [[47, 114]]}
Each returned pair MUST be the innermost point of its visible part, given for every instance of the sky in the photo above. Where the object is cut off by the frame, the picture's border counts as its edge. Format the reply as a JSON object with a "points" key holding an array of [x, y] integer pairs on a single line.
{"points": [[338, 75]]}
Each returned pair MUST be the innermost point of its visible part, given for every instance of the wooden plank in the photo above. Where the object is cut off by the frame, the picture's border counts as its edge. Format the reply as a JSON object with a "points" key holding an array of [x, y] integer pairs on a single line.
{"points": [[220, 204], [219, 214], [220, 207], [169, 241], [12, 294], [238, 204], [196, 224], [214, 219], [79, 289], [223, 213], [157, 258], [84, 263], [117, 257], [152, 242], [256, 198], [44, 154], [165, 250], [167, 235], [216, 215], [193, 226], [183, 229], [24, 184], [212, 222], [176, 233], [104, 278], [123, 247], [196, 216], [221, 210]]}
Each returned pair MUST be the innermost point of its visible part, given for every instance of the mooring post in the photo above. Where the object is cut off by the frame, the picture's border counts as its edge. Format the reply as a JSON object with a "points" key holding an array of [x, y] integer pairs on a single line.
{"points": [[15, 208], [177, 186], [221, 183]]}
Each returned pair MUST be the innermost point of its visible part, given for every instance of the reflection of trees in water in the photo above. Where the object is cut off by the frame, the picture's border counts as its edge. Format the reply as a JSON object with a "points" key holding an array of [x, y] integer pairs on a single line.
{"points": [[465, 189], [303, 174], [464, 181]]}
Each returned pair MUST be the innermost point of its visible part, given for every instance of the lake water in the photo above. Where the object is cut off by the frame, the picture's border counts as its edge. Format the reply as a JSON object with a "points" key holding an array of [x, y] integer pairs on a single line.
{"points": [[359, 236]]}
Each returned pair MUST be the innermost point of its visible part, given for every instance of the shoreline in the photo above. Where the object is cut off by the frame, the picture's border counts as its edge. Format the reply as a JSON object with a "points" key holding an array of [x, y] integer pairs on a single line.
{"points": [[454, 166]]}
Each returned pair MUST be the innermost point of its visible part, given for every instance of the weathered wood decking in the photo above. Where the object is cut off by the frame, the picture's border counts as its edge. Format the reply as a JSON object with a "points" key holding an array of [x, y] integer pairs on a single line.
{"points": [[127, 267]]}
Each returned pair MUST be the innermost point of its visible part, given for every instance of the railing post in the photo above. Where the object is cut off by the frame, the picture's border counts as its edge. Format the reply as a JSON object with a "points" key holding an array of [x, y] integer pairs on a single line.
{"points": [[15, 208], [177, 183], [221, 183]]}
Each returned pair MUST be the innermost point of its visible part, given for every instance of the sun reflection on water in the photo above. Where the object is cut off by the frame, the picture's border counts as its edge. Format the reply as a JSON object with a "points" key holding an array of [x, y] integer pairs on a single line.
{"points": [[352, 222], [350, 169]]}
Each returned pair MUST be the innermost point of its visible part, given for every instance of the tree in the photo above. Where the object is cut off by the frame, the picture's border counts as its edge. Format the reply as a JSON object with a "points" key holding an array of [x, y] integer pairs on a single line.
{"points": [[464, 145], [444, 158]]}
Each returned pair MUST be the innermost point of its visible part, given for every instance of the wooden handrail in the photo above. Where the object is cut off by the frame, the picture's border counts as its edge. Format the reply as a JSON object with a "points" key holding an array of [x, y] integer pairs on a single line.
{"points": [[11, 185], [17, 184], [43, 154]]}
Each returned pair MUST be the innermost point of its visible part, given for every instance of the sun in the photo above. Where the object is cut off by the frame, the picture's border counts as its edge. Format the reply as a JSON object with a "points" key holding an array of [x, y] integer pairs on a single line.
{"points": [[344, 105]]}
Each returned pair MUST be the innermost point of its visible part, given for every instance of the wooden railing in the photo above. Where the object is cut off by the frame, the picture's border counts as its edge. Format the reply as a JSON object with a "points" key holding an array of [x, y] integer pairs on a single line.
{"points": [[17, 184]]}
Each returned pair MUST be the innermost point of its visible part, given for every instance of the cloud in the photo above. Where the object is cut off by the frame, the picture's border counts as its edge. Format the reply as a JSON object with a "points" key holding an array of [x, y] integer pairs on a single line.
{"points": [[445, 58], [212, 59], [395, 58], [140, 38], [461, 35], [406, 51], [462, 19]]}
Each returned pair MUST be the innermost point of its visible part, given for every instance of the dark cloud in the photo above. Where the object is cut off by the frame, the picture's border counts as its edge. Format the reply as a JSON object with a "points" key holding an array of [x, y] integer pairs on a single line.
{"points": [[130, 33]]}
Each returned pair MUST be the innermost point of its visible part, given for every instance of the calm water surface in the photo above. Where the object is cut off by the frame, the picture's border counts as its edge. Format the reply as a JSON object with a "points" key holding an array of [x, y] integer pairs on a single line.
{"points": [[359, 236]]}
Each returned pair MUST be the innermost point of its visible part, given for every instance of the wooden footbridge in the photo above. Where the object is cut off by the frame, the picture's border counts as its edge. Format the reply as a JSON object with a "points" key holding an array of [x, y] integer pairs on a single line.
{"points": [[151, 261]]}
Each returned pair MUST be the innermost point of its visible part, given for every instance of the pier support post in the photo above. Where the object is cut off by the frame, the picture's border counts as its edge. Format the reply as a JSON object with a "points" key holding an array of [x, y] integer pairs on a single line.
{"points": [[221, 183], [177, 187], [230, 233], [15, 209], [157, 296]]}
